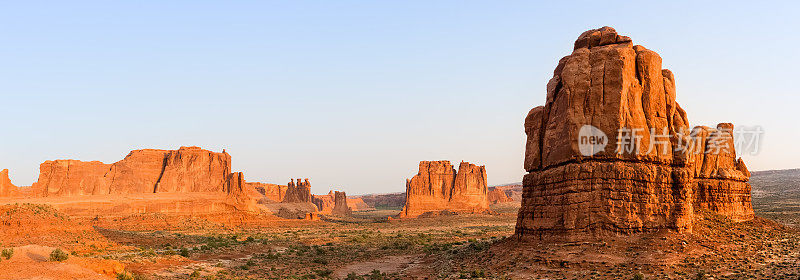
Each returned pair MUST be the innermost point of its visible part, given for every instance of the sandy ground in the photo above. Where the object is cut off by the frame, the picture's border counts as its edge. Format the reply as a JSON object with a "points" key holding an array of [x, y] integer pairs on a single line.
{"points": [[32, 262]]}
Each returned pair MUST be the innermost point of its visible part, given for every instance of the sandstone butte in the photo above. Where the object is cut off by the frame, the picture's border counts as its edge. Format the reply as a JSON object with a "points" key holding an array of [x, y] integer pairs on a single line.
{"points": [[333, 203], [187, 180], [611, 84], [496, 195], [438, 187]]}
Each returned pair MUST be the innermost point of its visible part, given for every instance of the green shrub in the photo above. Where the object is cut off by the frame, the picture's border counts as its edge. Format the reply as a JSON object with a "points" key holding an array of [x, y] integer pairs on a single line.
{"points": [[184, 252], [58, 255], [7, 253]]}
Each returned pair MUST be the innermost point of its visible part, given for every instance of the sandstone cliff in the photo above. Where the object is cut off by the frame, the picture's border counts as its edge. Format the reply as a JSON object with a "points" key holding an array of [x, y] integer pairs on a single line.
{"points": [[191, 169], [188, 169], [272, 192], [7, 189], [71, 178], [358, 204], [437, 186], [324, 202], [650, 184], [496, 195], [334, 203]]}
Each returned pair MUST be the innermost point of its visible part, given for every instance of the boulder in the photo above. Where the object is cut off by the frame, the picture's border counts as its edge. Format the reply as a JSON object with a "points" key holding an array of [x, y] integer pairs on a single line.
{"points": [[647, 172], [437, 186]]}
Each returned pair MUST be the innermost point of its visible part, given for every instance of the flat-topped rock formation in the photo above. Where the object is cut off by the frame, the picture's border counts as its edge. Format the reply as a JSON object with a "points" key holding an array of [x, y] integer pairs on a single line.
{"points": [[188, 180], [437, 186], [358, 204], [641, 177], [188, 169]]}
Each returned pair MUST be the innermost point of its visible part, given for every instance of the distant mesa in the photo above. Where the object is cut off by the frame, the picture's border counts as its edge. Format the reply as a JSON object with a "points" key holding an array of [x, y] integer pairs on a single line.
{"points": [[358, 204], [189, 180], [438, 187], [615, 86], [496, 195]]}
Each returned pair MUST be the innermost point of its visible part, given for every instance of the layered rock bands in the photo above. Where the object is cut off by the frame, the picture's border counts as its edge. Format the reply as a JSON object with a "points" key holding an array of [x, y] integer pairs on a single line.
{"points": [[611, 151], [437, 186]]}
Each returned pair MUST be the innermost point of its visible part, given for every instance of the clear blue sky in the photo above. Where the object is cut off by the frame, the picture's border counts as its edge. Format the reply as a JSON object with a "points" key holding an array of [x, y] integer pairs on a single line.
{"points": [[354, 94]]}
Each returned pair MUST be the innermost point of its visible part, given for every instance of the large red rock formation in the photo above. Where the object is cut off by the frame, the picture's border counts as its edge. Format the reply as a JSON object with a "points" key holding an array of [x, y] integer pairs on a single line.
{"points": [[358, 204], [496, 195], [653, 184], [388, 200], [340, 207], [188, 169], [272, 192], [138, 172], [297, 193], [6, 187], [323, 202], [71, 178], [334, 203], [189, 181], [437, 186]]}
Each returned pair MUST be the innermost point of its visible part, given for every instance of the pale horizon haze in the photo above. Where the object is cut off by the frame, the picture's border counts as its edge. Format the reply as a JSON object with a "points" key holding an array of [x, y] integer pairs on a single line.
{"points": [[353, 94]]}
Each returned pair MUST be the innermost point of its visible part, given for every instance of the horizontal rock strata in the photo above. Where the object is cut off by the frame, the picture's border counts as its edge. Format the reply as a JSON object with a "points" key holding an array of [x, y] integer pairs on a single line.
{"points": [[437, 186], [656, 179]]}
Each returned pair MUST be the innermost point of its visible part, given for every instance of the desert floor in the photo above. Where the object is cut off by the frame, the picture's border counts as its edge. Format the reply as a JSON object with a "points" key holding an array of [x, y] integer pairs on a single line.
{"points": [[370, 245]]}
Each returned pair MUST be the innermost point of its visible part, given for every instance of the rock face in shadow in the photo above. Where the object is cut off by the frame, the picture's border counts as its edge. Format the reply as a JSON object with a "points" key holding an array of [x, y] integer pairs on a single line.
{"points": [[340, 207], [333, 203], [7, 189], [272, 192], [642, 177], [323, 202], [437, 186]]}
